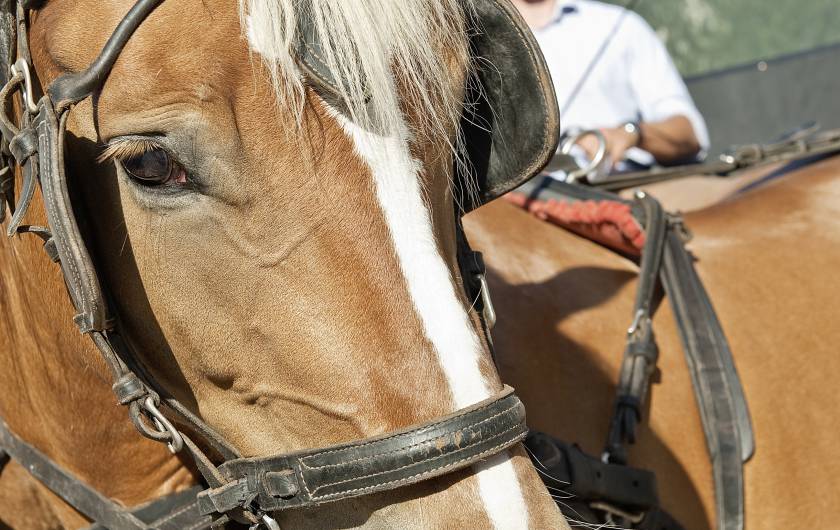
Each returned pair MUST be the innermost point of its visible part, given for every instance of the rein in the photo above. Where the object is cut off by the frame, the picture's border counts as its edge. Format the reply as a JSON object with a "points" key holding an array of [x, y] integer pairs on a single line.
{"points": [[239, 489], [801, 144]]}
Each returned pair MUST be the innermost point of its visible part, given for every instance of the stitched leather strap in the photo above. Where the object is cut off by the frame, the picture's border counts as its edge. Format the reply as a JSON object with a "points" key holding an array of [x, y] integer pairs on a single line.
{"points": [[359, 468], [720, 396]]}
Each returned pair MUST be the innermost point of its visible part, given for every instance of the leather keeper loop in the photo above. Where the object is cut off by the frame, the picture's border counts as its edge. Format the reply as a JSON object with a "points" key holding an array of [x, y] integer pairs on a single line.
{"points": [[630, 402], [128, 389], [282, 484], [84, 323], [51, 250], [646, 349], [24, 145]]}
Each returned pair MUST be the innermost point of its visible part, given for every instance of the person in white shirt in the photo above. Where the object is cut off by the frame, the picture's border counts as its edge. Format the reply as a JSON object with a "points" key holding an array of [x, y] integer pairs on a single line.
{"points": [[611, 72]]}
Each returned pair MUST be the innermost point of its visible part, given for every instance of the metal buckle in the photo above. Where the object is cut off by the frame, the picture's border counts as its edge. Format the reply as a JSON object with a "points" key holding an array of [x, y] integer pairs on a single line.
{"points": [[22, 67], [489, 312], [612, 512], [176, 442], [676, 221]]}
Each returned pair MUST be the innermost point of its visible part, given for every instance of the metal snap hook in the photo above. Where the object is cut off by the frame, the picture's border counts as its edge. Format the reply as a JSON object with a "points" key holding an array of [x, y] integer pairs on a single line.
{"points": [[489, 311], [176, 442], [268, 522], [566, 149], [22, 67], [637, 320]]}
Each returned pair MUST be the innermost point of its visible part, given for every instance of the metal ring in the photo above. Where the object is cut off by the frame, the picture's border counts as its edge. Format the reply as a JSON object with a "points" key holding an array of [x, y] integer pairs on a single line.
{"points": [[21, 66], [637, 319], [176, 442], [570, 141], [270, 523]]}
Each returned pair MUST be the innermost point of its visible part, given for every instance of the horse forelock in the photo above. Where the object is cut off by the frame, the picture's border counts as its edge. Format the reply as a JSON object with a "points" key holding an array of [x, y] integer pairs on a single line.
{"points": [[387, 57]]}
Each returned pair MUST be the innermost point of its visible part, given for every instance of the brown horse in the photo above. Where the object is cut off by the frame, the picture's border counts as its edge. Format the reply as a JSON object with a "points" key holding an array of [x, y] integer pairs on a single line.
{"points": [[290, 275], [767, 258]]}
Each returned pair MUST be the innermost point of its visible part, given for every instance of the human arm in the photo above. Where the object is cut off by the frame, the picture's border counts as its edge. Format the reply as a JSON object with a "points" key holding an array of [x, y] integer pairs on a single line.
{"points": [[672, 129], [669, 140]]}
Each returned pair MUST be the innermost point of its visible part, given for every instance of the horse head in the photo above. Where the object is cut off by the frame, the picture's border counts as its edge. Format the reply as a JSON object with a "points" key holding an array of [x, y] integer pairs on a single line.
{"points": [[270, 195]]}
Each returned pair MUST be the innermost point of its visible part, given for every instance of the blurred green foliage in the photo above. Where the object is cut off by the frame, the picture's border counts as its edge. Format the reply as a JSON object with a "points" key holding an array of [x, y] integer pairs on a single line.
{"points": [[706, 35]]}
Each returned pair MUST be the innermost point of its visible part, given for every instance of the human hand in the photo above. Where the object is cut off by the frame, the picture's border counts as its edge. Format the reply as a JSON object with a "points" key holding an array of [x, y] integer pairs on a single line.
{"points": [[618, 140]]}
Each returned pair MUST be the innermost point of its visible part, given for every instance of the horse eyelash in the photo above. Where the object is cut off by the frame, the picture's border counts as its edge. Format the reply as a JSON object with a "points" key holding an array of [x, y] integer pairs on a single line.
{"points": [[123, 149]]}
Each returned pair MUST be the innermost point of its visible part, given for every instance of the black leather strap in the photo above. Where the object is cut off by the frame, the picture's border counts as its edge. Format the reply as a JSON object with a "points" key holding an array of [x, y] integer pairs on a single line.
{"points": [[79, 273], [76, 493], [590, 479], [598, 492], [178, 511], [376, 464], [74, 87], [641, 351], [720, 396]]}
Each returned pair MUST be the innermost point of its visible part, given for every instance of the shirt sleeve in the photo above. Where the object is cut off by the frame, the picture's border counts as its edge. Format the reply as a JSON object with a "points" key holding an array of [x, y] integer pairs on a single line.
{"points": [[660, 90]]}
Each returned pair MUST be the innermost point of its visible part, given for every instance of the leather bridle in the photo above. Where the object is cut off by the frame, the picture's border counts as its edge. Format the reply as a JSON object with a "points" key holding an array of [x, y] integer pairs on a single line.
{"points": [[245, 490]]}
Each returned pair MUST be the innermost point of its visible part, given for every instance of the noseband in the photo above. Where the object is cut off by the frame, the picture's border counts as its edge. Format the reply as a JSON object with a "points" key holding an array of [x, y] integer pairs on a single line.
{"points": [[244, 490]]}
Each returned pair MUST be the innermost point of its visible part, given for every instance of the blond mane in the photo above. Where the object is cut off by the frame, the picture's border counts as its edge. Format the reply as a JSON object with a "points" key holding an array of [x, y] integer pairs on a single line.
{"points": [[396, 53]]}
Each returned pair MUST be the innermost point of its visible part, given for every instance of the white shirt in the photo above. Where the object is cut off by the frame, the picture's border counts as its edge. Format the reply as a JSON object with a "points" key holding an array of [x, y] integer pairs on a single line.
{"points": [[634, 80]]}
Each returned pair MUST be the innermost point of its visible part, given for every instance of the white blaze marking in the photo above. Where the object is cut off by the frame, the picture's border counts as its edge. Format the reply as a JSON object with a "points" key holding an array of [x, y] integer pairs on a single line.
{"points": [[444, 319], [430, 285]]}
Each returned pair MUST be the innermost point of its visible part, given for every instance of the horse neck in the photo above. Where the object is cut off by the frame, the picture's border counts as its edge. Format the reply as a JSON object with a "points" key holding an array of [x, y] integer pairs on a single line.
{"points": [[56, 390]]}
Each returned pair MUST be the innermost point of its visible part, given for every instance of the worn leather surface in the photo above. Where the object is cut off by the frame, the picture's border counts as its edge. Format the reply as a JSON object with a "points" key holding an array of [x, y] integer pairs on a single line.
{"points": [[79, 273], [511, 125], [590, 479], [375, 464], [720, 396]]}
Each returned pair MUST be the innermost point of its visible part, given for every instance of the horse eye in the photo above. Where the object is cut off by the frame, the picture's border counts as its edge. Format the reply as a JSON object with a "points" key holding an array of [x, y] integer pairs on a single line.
{"points": [[152, 168]]}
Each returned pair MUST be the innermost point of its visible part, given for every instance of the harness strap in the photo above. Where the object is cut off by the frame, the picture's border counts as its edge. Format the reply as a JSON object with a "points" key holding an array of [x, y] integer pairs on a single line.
{"points": [[310, 478], [76, 493], [178, 511], [720, 396], [723, 406], [592, 487], [641, 351]]}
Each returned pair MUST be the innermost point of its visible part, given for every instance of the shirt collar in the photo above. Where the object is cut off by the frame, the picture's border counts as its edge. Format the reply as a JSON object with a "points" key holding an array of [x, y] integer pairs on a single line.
{"points": [[564, 7]]}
